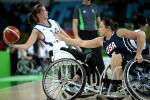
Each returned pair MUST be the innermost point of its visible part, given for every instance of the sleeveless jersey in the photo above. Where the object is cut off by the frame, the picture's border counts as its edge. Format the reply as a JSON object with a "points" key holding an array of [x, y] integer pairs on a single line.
{"points": [[133, 42], [48, 39], [118, 45]]}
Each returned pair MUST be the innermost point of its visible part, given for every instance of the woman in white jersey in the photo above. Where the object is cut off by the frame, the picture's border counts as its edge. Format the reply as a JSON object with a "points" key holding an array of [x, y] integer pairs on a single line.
{"points": [[45, 30], [140, 25]]}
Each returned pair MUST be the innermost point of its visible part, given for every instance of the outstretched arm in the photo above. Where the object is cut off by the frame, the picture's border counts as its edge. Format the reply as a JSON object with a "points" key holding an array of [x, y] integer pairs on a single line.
{"points": [[33, 37], [67, 36], [64, 33], [83, 43]]}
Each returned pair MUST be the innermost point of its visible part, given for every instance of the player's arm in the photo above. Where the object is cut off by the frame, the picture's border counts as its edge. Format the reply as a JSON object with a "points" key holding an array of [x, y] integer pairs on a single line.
{"points": [[31, 40], [64, 33], [139, 37], [84, 43]]}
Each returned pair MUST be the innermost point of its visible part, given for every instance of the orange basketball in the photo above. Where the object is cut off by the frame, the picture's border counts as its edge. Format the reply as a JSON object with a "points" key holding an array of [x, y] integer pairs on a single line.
{"points": [[11, 34]]}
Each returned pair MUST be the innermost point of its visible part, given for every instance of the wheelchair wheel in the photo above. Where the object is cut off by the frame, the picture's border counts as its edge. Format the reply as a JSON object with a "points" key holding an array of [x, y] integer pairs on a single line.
{"points": [[24, 66], [137, 79], [57, 80]]}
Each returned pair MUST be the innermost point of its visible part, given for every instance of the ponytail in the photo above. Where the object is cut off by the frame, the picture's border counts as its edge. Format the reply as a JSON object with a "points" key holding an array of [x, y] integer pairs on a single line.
{"points": [[32, 16], [31, 19]]}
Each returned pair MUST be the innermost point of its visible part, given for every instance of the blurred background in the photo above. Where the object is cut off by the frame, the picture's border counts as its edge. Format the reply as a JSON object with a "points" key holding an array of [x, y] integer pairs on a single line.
{"points": [[14, 12]]}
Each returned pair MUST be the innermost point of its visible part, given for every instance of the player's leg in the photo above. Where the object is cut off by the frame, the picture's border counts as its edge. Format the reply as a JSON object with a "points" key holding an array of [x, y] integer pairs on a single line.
{"points": [[116, 62]]}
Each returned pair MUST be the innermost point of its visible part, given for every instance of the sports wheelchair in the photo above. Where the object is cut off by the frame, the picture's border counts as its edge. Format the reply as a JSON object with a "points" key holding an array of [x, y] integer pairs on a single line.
{"points": [[32, 65], [136, 82], [57, 81]]}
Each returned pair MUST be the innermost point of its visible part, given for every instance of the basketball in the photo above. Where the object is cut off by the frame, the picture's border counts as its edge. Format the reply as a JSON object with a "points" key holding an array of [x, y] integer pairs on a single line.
{"points": [[11, 34]]}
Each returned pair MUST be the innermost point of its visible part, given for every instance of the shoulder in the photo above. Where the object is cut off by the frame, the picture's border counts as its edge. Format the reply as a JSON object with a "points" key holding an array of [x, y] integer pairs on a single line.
{"points": [[36, 31], [36, 26], [126, 33], [51, 20], [139, 31], [122, 31]]}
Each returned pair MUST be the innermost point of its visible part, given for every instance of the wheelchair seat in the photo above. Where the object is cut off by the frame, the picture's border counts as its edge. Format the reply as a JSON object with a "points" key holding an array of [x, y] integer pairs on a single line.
{"points": [[59, 54]]}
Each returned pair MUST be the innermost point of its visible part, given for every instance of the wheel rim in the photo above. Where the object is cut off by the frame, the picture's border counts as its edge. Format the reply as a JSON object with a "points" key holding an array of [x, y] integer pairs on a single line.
{"points": [[58, 77], [24, 66], [137, 79]]}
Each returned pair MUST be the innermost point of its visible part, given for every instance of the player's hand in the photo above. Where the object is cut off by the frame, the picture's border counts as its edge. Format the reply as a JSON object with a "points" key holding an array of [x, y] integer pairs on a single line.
{"points": [[7, 43], [138, 58]]}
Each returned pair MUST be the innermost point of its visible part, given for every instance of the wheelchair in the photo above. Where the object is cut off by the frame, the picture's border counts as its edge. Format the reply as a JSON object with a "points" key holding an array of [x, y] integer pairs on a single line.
{"points": [[136, 82], [31, 65], [57, 81]]}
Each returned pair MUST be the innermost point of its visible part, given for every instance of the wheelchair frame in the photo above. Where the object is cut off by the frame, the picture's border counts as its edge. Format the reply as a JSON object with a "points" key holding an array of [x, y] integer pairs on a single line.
{"points": [[60, 56], [128, 88]]}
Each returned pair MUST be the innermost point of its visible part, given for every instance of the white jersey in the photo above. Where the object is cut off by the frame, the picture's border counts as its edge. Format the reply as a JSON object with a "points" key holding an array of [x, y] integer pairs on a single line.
{"points": [[133, 42], [48, 39]]}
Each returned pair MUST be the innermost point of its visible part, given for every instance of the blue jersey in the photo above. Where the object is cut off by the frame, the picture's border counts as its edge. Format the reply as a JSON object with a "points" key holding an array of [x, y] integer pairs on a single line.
{"points": [[118, 45]]}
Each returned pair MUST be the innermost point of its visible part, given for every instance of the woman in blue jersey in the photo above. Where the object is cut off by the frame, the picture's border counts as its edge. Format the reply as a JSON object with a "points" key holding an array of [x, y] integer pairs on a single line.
{"points": [[116, 43]]}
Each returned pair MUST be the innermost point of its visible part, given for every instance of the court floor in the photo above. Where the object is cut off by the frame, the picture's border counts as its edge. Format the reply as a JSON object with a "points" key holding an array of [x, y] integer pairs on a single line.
{"points": [[31, 91], [27, 91]]}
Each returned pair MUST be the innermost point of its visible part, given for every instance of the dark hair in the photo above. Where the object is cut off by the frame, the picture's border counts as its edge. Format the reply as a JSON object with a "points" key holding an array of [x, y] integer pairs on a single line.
{"points": [[139, 20], [32, 16], [110, 23]]}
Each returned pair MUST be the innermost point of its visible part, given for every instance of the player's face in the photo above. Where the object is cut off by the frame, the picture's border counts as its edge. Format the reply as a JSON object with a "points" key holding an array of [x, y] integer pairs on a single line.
{"points": [[43, 13], [102, 29]]}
